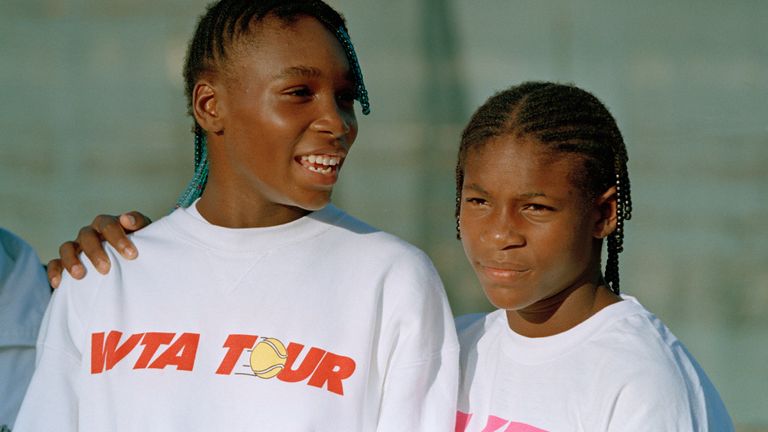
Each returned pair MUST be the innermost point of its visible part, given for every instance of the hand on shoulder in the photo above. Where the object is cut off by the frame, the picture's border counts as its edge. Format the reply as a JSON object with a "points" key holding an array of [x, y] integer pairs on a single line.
{"points": [[109, 228]]}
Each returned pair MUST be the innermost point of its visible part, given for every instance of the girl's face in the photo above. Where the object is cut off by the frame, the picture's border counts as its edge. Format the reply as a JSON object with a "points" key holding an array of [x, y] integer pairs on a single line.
{"points": [[527, 230], [286, 117]]}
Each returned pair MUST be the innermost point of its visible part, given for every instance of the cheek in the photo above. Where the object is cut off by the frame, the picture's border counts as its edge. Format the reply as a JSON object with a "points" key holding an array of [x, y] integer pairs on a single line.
{"points": [[568, 251], [471, 235], [352, 135]]}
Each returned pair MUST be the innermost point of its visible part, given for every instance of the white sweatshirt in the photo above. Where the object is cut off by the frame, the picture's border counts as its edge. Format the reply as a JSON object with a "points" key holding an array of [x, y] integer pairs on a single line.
{"points": [[321, 324], [620, 370]]}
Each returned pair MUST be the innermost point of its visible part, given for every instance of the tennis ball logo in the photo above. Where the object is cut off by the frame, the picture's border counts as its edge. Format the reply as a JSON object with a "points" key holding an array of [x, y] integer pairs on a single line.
{"points": [[268, 358]]}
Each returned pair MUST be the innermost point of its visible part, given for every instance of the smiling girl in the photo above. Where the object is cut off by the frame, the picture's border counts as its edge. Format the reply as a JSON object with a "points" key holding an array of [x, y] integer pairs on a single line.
{"points": [[260, 306], [541, 184]]}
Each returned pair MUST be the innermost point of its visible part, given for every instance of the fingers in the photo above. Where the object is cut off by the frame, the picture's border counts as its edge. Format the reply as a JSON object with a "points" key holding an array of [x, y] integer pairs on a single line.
{"points": [[89, 241], [54, 270], [68, 256], [130, 222], [113, 229], [134, 221]]}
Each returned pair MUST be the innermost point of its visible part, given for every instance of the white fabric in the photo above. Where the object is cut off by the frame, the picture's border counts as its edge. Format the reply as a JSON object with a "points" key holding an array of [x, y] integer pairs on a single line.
{"points": [[323, 283], [24, 294], [620, 370]]}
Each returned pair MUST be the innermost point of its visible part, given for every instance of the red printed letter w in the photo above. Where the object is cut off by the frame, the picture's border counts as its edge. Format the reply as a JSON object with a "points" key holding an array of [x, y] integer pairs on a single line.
{"points": [[106, 353]]}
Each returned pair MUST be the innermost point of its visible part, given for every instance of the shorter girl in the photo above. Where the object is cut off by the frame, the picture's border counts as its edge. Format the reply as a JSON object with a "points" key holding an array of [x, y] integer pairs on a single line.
{"points": [[541, 181]]}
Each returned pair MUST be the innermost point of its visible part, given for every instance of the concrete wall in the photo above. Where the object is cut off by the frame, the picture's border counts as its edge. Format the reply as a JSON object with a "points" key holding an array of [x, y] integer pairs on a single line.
{"points": [[93, 120]]}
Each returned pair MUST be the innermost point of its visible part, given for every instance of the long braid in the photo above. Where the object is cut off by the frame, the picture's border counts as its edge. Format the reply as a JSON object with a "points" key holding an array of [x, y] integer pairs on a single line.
{"points": [[567, 120], [227, 22]]}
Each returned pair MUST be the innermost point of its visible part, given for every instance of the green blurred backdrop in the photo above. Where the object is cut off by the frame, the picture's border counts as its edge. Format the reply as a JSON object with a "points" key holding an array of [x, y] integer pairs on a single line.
{"points": [[93, 120]]}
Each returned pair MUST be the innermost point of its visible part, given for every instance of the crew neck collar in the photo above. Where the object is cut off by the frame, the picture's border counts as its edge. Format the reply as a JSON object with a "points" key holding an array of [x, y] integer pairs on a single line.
{"points": [[190, 223], [528, 350]]}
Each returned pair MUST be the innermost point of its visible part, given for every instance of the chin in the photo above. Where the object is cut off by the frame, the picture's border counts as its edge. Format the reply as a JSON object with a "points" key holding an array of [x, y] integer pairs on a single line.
{"points": [[314, 204], [504, 298]]}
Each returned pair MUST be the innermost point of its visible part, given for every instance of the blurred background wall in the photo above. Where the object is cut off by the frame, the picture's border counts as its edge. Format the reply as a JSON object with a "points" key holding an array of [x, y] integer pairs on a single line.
{"points": [[92, 120]]}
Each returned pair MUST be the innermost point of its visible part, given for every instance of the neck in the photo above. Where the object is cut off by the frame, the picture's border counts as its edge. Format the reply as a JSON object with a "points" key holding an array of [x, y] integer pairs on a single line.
{"points": [[226, 207], [563, 311]]}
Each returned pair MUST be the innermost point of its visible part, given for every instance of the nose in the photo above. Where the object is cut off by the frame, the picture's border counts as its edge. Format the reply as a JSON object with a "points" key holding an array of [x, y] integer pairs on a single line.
{"points": [[504, 231], [336, 121]]}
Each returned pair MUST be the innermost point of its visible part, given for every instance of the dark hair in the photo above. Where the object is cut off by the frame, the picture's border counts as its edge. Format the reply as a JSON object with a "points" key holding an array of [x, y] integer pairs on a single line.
{"points": [[217, 31], [568, 120]]}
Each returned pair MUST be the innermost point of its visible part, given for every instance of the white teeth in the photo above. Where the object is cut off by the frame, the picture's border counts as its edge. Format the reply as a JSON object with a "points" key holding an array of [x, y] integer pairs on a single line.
{"points": [[320, 170], [322, 160]]}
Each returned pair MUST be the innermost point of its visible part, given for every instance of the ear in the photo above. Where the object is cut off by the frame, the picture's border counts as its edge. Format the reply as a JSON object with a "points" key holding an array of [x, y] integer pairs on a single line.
{"points": [[206, 107], [605, 205]]}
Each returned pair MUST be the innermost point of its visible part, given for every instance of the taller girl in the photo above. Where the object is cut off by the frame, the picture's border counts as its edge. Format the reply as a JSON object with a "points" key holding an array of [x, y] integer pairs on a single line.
{"points": [[259, 306], [541, 183]]}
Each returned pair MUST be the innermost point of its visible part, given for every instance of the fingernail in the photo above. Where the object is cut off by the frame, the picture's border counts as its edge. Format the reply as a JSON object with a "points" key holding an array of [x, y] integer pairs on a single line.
{"points": [[122, 246], [55, 282], [102, 266], [131, 219], [128, 252], [77, 271]]}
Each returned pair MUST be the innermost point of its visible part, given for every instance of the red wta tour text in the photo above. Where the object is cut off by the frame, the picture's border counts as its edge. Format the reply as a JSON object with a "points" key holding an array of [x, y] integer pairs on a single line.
{"points": [[160, 350]]}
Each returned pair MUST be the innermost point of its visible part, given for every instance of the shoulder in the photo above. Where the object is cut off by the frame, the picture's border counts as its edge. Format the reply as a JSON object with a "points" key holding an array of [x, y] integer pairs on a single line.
{"points": [[644, 365], [17, 256], [18, 259], [161, 229], [470, 323], [636, 332], [364, 244], [472, 328], [636, 343], [360, 234], [24, 291]]}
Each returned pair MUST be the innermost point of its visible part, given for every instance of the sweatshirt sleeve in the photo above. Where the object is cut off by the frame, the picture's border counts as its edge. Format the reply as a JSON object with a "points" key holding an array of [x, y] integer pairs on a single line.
{"points": [[673, 396], [51, 399], [421, 384]]}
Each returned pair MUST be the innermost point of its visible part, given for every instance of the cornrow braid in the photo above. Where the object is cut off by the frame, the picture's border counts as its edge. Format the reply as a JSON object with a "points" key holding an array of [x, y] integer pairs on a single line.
{"points": [[225, 23], [569, 120]]}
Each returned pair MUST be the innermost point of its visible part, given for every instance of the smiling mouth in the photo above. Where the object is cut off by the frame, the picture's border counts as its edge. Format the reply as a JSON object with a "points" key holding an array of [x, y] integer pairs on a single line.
{"points": [[321, 164]]}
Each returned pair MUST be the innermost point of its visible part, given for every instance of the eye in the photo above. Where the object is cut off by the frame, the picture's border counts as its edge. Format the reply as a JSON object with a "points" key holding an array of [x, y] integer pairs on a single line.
{"points": [[300, 92], [475, 201], [537, 208]]}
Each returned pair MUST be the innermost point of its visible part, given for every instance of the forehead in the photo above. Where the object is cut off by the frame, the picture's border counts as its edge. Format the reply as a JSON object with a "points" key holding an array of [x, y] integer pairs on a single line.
{"points": [[519, 162], [302, 44]]}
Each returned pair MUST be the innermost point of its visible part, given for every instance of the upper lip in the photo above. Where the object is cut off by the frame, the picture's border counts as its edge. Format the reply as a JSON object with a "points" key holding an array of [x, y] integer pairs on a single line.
{"points": [[504, 266]]}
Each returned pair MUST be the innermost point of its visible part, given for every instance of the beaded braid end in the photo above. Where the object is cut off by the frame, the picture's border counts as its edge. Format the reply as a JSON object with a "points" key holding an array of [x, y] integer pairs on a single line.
{"points": [[196, 186], [361, 94]]}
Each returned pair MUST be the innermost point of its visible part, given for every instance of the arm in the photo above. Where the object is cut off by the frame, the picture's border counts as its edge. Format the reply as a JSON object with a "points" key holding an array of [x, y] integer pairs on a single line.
{"points": [[112, 229], [421, 385], [51, 399]]}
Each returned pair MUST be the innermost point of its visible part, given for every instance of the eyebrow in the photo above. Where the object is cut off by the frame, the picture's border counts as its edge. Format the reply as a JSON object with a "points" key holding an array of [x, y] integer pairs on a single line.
{"points": [[299, 71], [533, 195], [478, 188], [306, 72]]}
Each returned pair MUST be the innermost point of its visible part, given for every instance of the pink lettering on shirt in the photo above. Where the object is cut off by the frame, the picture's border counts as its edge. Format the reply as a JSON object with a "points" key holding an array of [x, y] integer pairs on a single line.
{"points": [[494, 424]]}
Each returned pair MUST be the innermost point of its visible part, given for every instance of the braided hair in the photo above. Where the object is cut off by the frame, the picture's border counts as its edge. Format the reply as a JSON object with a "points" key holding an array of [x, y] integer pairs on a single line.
{"points": [[568, 120], [225, 23]]}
